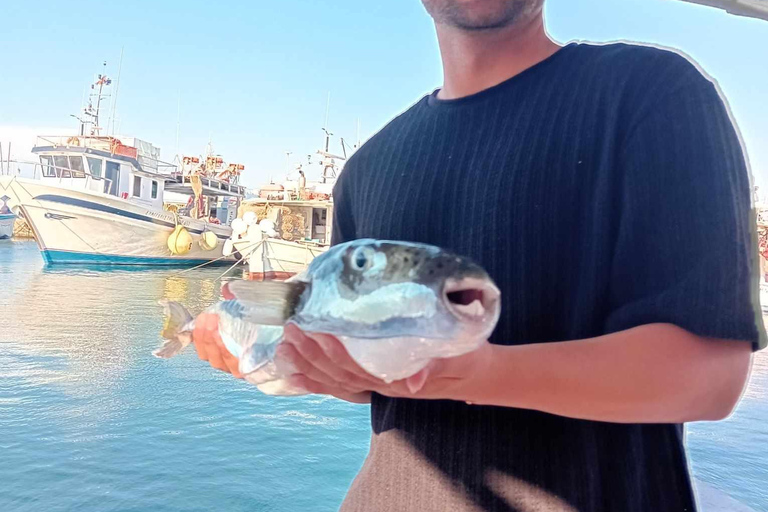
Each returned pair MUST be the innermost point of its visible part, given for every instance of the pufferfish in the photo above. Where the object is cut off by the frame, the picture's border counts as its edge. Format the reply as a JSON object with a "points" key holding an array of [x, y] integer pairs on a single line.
{"points": [[395, 306]]}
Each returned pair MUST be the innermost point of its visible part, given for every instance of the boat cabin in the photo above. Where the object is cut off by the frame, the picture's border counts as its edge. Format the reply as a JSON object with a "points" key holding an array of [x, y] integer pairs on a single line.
{"points": [[104, 164], [300, 221]]}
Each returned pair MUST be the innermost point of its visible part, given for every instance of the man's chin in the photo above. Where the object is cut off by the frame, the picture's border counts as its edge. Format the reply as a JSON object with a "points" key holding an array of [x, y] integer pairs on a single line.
{"points": [[479, 26], [477, 15]]}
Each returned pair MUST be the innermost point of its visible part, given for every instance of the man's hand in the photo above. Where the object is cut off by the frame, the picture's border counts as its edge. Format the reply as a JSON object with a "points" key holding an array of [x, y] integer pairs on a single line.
{"points": [[623, 377], [210, 347], [325, 367]]}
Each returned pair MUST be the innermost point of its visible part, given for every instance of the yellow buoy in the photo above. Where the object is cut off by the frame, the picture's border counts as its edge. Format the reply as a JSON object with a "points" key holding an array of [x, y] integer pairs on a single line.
{"points": [[180, 241], [208, 240]]}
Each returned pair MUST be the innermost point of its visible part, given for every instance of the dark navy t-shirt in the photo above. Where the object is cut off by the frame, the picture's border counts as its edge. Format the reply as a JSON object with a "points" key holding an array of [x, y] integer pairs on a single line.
{"points": [[603, 189]]}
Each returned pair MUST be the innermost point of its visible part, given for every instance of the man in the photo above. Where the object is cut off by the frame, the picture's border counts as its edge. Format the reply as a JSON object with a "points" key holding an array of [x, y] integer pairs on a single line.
{"points": [[302, 185], [605, 190]]}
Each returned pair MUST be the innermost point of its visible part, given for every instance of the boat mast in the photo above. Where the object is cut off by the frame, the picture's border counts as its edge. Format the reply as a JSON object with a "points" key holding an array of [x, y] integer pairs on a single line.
{"points": [[100, 82], [91, 115]]}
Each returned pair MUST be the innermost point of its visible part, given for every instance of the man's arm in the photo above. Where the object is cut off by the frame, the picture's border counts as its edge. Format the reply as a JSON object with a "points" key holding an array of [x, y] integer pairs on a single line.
{"points": [[656, 373]]}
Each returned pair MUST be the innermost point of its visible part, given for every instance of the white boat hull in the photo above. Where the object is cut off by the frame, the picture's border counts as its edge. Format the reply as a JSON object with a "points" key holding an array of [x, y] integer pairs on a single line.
{"points": [[82, 227], [273, 258]]}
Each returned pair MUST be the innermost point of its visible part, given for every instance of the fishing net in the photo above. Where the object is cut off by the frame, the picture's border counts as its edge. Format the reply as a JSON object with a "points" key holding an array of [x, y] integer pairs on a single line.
{"points": [[290, 224]]}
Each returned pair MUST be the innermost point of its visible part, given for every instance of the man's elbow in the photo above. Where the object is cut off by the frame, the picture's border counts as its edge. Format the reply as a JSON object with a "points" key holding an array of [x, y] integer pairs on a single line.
{"points": [[726, 374]]}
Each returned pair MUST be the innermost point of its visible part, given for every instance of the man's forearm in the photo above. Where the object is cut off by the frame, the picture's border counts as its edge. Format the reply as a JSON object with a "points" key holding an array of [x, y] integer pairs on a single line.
{"points": [[655, 373]]}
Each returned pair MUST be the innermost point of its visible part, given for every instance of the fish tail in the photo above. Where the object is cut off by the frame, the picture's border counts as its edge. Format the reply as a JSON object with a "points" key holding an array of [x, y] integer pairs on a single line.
{"points": [[177, 330]]}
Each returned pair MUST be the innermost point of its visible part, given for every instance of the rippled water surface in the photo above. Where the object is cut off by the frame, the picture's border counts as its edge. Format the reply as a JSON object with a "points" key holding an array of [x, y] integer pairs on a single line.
{"points": [[90, 421]]}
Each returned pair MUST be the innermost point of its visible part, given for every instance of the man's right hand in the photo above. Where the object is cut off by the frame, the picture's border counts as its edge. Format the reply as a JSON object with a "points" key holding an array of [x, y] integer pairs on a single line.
{"points": [[210, 348]]}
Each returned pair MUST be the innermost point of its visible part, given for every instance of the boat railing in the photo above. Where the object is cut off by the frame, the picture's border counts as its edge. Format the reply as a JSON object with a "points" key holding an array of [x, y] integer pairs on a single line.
{"points": [[212, 184], [63, 175], [110, 145]]}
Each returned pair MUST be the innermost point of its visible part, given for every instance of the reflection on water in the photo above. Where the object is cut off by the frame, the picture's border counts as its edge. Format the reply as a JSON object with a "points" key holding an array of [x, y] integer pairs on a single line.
{"points": [[90, 421], [732, 455], [85, 321], [88, 412]]}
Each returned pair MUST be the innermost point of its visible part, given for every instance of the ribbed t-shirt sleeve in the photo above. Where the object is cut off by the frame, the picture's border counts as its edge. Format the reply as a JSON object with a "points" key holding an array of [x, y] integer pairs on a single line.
{"points": [[686, 247], [343, 221]]}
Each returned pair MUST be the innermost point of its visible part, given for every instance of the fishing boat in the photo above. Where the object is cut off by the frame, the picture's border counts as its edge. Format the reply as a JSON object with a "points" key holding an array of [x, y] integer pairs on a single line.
{"points": [[281, 231], [96, 199], [279, 240]]}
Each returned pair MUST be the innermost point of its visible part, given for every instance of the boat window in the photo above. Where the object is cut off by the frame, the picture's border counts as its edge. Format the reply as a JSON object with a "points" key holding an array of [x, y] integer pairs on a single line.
{"points": [[137, 186], [112, 173], [76, 164], [94, 166], [154, 189], [47, 165], [62, 166]]}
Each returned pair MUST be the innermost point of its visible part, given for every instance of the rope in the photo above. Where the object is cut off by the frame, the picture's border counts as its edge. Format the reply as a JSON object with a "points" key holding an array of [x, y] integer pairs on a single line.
{"points": [[227, 271], [254, 245]]}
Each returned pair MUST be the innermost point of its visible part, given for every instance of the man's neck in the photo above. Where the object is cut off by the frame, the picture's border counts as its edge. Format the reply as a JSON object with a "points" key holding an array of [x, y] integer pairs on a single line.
{"points": [[476, 60]]}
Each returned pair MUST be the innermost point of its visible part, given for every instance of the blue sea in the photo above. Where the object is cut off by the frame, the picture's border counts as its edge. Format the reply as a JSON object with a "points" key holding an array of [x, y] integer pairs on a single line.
{"points": [[90, 421]]}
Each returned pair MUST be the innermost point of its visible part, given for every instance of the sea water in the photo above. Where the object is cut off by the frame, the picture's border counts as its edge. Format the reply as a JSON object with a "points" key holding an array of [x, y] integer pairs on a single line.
{"points": [[91, 422]]}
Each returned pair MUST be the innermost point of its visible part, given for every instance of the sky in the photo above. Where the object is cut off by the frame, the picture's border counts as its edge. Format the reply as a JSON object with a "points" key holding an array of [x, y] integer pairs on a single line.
{"points": [[253, 77]]}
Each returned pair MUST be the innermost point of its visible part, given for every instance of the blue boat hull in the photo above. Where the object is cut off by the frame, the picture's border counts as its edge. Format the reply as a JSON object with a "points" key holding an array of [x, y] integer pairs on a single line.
{"points": [[54, 257]]}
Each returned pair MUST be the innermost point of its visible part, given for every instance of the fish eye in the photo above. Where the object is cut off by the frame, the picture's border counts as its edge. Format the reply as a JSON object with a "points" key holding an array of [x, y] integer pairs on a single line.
{"points": [[361, 258]]}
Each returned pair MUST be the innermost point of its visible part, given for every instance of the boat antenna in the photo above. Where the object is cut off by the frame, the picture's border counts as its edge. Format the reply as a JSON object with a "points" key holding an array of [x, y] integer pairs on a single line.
{"points": [[112, 111], [344, 147], [178, 121], [288, 162], [102, 80], [327, 139], [89, 112], [358, 134], [327, 110], [82, 110]]}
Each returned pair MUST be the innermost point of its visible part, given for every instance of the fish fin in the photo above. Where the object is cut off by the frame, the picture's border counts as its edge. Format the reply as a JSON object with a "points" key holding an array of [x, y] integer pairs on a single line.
{"points": [[172, 347], [267, 302], [177, 330]]}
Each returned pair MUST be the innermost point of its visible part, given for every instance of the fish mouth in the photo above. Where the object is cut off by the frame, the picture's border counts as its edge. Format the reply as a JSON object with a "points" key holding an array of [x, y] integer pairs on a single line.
{"points": [[471, 299]]}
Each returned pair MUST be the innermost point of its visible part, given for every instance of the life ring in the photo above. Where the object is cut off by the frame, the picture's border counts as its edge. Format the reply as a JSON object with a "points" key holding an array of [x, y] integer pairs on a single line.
{"points": [[73, 141]]}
